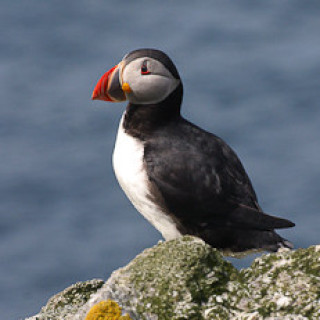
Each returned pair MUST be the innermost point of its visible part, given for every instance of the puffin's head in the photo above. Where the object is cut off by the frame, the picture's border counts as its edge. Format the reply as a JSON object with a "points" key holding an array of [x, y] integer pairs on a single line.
{"points": [[144, 76]]}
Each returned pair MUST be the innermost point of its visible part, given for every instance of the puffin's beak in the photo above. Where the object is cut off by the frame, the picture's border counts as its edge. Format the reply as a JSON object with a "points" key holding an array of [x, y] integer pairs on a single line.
{"points": [[108, 87]]}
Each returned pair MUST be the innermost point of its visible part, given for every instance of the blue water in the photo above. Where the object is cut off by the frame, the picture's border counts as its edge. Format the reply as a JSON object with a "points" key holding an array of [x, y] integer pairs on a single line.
{"points": [[251, 72]]}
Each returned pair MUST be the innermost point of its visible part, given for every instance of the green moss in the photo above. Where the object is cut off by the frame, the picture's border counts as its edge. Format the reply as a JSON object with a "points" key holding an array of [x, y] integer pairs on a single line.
{"points": [[286, 283], [187, 279], [68, 302]]}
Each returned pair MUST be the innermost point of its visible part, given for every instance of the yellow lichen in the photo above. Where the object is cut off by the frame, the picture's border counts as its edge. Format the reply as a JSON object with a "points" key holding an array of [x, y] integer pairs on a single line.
{"points": [[106, 310]]}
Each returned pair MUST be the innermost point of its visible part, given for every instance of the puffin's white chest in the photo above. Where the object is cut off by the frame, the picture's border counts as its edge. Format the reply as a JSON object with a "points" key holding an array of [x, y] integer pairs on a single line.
{"points": [[132, 177]]}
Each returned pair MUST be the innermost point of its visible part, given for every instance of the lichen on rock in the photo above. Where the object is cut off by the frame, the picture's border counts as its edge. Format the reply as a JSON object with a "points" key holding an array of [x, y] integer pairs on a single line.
{"points": [[286, 283], [106, 310], [187, 279], [66, 303]]}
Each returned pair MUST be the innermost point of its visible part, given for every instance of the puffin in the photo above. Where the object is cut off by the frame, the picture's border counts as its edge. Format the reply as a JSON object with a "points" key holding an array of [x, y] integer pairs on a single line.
{"points": [[181, 178]]}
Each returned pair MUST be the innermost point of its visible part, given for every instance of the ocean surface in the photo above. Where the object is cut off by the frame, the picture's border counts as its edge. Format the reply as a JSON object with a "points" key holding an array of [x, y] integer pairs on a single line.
{"points": [[251, 74]]}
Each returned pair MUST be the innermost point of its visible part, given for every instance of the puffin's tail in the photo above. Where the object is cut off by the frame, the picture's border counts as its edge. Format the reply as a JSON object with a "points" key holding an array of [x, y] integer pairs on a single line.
{"points": [[257, 229], [246, 229], [250, 218], [245, 240], [271, 241]]}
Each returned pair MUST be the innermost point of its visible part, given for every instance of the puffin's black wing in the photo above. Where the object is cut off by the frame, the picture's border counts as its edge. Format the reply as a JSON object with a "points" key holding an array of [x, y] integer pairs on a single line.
{"points": [[202, 182]]}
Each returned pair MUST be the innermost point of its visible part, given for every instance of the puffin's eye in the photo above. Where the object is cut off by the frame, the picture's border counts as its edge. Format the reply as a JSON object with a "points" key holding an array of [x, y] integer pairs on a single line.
{"points": [[144, 68]]}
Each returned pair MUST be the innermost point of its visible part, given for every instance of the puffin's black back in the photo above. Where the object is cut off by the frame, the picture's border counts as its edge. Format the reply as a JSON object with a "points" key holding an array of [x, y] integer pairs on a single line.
{"points": [[206, 190]]}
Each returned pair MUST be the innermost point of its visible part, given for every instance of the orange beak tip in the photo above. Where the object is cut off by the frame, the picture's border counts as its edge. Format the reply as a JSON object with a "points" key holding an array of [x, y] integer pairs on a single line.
{"points": [[94, 95]]}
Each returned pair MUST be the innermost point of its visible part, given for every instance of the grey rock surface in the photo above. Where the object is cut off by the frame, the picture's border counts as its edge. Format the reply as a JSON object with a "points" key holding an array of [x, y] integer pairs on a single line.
{"points": [[187, 279], [65, 304]]}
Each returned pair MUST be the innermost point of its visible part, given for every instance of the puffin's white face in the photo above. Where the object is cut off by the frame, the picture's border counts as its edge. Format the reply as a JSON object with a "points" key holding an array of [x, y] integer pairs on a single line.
{"points": [[141, 77], [149, 81]]}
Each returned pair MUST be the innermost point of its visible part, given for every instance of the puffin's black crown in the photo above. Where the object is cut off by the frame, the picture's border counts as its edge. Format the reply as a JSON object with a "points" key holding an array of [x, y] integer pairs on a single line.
{"points": [[155, 54]]}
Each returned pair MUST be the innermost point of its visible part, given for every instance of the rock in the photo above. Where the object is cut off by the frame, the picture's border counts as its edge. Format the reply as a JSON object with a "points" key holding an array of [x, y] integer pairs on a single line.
{"points": [[65, 304], [187, 279]]}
